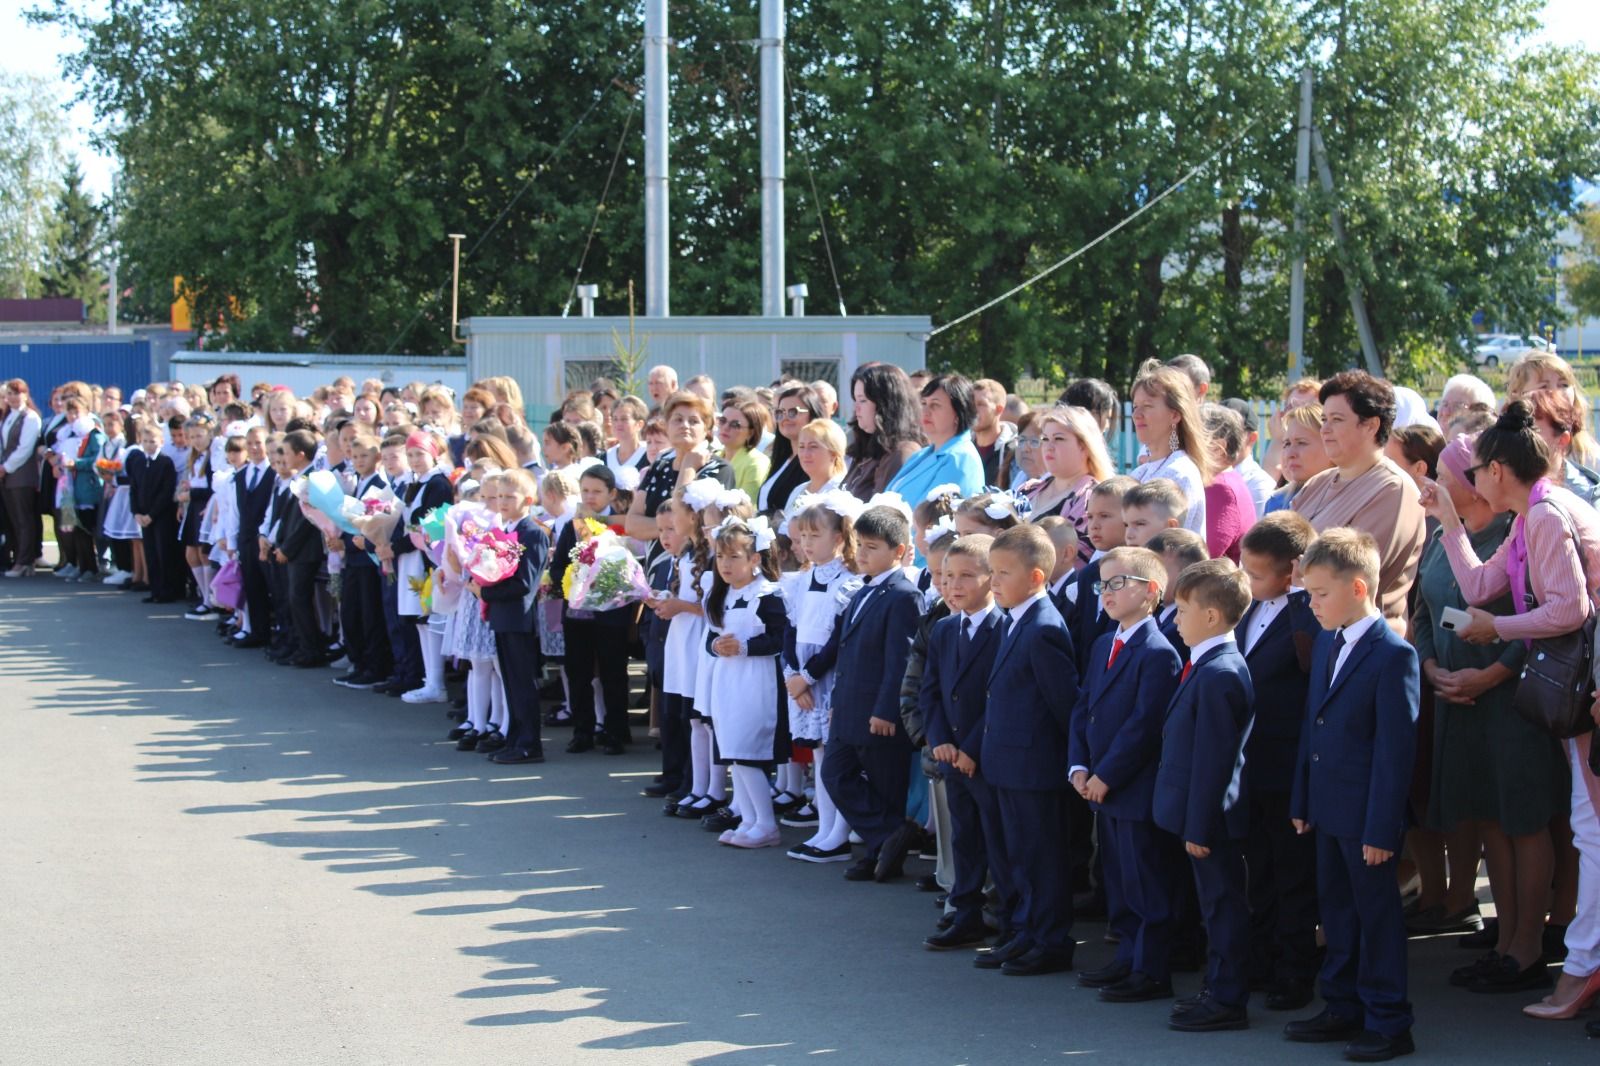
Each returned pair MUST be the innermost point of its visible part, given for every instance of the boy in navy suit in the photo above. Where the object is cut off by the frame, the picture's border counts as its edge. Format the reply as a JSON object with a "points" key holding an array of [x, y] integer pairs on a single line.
{"points": [[953, 694], [866, 764], [1028, 711], [253, 487], [1103, 523], [302, 552], [1116, 743], [1179, 549], [366, 639], [1276, 637], [511, 615], [1351, 782], [1198, 785]]}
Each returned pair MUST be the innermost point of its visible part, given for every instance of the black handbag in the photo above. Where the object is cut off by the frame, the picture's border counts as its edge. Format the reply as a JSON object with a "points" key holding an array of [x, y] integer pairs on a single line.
{"points": [[1557, 686]]}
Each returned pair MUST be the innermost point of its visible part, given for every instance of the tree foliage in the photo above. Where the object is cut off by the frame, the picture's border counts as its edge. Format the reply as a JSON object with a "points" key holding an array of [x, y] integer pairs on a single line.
{"points": [[75, 251], [308, 159], [1582, 275], [32, 131]]}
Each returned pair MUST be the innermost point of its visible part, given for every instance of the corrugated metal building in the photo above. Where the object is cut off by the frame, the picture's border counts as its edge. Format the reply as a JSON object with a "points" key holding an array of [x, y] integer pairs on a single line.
{"points": [[47, 361], [305, 372], [550, 355]]}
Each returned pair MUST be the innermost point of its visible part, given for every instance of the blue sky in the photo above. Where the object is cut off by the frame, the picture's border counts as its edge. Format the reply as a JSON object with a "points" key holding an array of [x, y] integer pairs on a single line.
{"points": [[26, 48]]}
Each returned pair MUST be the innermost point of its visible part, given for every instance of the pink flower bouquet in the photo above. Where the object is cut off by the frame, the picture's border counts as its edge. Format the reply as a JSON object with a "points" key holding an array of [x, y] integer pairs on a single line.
{"points": [[604, 574], [491, 556]]}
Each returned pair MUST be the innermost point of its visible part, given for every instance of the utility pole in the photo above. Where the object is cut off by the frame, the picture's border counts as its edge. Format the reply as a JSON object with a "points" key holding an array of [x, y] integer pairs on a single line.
{"points": [[772, 159], [1358, 303], [657, 268], [1297, 269]]}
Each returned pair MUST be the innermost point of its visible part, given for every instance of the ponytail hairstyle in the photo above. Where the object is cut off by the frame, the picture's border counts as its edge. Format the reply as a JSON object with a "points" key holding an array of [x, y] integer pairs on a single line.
{"points": [[204, 457], [736, 535], [1515, 444], [1175, 390], [821, 518]]}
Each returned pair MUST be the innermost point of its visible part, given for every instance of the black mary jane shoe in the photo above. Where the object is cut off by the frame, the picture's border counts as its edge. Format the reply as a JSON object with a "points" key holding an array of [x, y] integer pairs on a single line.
{"points": [[490, 742]]}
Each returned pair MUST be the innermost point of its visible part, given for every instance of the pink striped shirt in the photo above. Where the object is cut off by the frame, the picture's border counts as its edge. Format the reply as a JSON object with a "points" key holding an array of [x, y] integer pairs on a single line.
{"points": [[1555, 574]]}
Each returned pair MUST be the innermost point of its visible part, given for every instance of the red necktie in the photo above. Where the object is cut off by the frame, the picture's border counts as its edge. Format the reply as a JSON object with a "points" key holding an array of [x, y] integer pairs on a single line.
{"points": [[1116, 649], [1185, 675]]}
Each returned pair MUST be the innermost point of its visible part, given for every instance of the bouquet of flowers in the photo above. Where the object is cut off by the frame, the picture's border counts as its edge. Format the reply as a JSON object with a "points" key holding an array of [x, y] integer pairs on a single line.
{"points": [[432, 524], [604, 574], [490, 555], [108, 468], [320, 501], [374, 517]]}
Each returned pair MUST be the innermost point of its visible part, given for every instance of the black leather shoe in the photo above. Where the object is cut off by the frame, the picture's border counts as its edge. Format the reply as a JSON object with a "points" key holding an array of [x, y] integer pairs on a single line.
{"points": [[1136, 988], [892, 856], [468, 740], [1325, 1028], [460, 731], [860, 870], [1375, 1047], [1037, 962], [720, 820], [1507, 976], [927, 883], [1289, 995], [509, 756], [968, 936], [659, 791], [1105, 975], [995, 957], [1463, 976], [490, 742], [611, 747], [1208, 1016], [579, 745], [1191, 1002]]}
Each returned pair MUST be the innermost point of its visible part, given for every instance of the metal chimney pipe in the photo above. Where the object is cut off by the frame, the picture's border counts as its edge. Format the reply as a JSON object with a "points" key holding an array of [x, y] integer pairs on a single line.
{"points": [[656, 231], [772, 155], [797, 299], [586, 297]]}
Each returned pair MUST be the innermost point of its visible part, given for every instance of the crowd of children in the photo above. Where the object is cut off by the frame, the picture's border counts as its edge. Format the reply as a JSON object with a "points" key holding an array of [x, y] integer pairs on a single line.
{"points": [[1075, 710]]}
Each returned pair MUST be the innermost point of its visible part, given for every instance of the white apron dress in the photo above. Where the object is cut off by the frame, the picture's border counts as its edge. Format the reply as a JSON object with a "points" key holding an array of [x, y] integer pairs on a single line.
{"points": [[680, 658], [119, 523], [745, 695], [814, 600]]}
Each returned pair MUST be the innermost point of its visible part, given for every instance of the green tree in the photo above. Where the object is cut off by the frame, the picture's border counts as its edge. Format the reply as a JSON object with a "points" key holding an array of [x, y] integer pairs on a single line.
{"points": [[75, 251], [31, 134], [1582, 274]]}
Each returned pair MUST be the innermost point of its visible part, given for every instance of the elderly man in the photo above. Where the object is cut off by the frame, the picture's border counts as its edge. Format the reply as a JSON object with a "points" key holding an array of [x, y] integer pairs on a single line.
{"points": [[661, 382], [1460, 394], [828, 395]]}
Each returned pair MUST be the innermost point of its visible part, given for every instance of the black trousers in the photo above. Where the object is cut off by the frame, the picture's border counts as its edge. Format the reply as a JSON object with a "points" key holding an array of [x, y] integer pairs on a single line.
{"points": [[1283, 892], [361, 621], [77, 547], [257, 597], [597, 648], [518, 656], [302, 576], [165, 571], [673, 722]]}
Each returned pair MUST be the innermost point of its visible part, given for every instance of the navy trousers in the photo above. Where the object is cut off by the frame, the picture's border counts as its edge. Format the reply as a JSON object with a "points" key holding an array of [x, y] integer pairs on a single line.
{"points": [[1140, 865], [977, 846], [868, 783], [1364, 973], [518, 656], [1223, 894], [1283, 892], [1036, 841]]}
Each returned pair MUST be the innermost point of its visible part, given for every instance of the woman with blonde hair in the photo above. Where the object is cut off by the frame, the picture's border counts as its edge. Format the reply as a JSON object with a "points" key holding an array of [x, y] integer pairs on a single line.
{"points": [[1538, 372], [1073, 451], [819, 448], [1302, 455], [1302, 393], [1166, 419]]}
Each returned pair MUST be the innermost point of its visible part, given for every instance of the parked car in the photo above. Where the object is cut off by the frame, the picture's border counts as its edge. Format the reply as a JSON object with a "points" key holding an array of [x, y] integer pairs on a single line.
{"points": [[1501, 349]]}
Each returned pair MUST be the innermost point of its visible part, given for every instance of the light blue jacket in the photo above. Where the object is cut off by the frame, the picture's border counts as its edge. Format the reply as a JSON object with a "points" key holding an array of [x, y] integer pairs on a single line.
{"points": [[956, 462]]}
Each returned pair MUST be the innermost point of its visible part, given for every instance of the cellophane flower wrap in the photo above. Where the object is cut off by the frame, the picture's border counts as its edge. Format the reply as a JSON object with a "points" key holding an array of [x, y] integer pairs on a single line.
{"points": [[604, 574], [489, 556], [374, 517]]}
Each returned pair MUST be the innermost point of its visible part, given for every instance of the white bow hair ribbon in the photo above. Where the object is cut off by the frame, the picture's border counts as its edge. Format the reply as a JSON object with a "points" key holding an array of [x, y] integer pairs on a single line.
{"points": [[701, 493], [759, 528], [728, 499], [628, 478], [892, 500], [838, 501], [939, 492], [945, 527], [1000, 510]]}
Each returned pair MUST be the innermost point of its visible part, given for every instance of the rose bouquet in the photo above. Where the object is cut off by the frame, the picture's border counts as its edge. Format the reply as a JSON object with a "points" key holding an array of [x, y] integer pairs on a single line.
{"points": [[374, 517], [490, 556], [604, 574]]}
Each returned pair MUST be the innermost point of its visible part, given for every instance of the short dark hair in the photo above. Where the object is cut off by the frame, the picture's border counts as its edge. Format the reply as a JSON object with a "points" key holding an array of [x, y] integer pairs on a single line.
{"points": [[1368, 397], [1185, 545], [959, 390], [602, 473], [1094, 396], [1282, 536], [1420, 443], [887, 524], [1216, 584], [301, 442]]}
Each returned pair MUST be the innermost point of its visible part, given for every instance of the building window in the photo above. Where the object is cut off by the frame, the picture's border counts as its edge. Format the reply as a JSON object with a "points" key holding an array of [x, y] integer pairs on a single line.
{"points": [[809, 370]]}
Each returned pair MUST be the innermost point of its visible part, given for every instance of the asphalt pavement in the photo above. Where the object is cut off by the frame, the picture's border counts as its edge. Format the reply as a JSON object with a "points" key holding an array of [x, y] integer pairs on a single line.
{"points": [[206, 858]]}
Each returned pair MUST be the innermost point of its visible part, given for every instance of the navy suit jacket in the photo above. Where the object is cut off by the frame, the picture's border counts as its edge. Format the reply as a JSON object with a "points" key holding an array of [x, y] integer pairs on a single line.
{"points": [[1169, 630], [357, 557], [511, 606], [1280, 664], [1359, 740], [955, 683], [873, 647], [1028, 712], [1087, 622], [1116, 726], [1199, 795], [253, 506], [153, 487]]}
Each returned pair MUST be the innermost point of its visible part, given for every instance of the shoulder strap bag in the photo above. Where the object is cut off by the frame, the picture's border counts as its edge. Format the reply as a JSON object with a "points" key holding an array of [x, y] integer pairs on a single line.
{"points": [[1557, 686]]}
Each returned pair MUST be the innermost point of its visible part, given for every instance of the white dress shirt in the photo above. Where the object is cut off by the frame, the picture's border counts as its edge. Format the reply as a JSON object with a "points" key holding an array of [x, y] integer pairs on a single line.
{"points": [[1198, 652], [1262, 617], [1352, 634]]}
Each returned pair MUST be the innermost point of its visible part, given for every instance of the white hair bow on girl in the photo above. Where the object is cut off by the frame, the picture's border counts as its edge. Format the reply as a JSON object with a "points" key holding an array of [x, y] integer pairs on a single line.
{"points": [[759, 528], [891, 500], [944, 527], [939, 492], [838, 501], [728, 499], [999, 509], [628, 478], [702, 493]]}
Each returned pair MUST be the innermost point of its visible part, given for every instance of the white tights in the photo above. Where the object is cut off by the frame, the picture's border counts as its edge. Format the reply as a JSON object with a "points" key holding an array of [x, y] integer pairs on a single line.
{"points": [[832, 829], [754, 800], [707, 778], [432, 657], [486, 696]]}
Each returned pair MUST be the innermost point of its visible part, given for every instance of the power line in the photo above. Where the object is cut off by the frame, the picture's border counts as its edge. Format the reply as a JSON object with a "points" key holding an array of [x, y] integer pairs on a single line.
{"points": [[1168, 191], [811, 176]]}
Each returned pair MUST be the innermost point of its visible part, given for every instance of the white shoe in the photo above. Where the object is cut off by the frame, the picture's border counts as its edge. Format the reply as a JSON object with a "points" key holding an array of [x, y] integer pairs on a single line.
{"points": [[67, 571], [425, 695], [341, 663], [117, 578]]}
